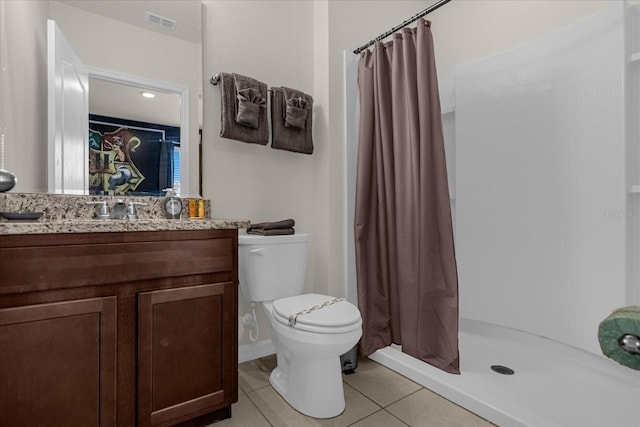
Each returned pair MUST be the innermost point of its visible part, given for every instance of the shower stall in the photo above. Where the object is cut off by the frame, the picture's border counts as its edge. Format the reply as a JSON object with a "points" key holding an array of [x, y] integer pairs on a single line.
{"points": [[543, 159]]}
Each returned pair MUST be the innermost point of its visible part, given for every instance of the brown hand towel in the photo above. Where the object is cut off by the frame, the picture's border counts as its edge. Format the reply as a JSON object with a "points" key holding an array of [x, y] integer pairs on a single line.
{"points": [[285, 223], [233, 129], [271, 232], [291, 138]]}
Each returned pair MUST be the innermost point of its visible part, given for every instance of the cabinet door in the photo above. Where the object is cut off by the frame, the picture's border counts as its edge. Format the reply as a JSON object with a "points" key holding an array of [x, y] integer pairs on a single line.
{"points": [[187, 352], [58, 364]]}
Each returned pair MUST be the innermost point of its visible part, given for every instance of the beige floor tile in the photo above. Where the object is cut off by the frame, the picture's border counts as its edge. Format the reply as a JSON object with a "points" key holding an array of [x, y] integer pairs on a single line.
{"points": [[243, 414], [379, 383], [280, 414], [254, 374], [427, 409], [381, 418]]}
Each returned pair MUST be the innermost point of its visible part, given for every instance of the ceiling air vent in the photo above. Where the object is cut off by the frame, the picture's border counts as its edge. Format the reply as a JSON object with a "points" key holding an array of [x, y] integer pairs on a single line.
{"points": [[160, 20]]}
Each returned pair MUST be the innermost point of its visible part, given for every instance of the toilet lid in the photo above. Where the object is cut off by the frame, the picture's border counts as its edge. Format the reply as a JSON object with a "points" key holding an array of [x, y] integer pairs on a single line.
{"points": [[335, 317]]}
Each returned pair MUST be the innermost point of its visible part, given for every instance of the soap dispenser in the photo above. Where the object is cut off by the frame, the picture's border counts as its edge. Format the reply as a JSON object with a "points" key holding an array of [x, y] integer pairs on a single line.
{"points": [[172, 204]]}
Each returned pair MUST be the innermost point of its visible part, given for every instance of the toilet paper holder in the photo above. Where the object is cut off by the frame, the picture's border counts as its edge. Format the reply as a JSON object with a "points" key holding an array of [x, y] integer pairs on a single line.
{"points": [[630, 343]]}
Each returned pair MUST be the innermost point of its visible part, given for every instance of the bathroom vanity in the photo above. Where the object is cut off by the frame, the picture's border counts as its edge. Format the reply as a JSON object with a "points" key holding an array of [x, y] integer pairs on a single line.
{"points": [[119, 328]]}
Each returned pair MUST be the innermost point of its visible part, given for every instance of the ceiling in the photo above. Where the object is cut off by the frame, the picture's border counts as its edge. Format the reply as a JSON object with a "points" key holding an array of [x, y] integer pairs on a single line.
{"points": [[187, 13], [126, 102]]}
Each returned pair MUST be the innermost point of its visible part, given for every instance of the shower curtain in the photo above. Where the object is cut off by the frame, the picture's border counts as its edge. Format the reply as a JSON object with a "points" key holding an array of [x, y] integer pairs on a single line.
{"points": [[405, 259]]}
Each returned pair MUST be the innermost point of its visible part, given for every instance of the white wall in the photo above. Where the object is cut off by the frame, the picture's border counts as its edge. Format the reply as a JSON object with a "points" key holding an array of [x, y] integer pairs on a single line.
{"points": [[24, 92], [540, 179], [272, 42], [563, 287], [465, 30]]}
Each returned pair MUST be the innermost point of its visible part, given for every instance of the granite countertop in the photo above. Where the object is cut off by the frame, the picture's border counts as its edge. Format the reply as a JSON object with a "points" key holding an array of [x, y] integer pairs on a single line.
{"points": [[62, 213], [114, 226]]}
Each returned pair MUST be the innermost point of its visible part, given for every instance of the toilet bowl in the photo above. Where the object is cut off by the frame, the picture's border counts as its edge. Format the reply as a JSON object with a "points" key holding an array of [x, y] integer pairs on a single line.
{"points": [[309, 331], [309, 375]]}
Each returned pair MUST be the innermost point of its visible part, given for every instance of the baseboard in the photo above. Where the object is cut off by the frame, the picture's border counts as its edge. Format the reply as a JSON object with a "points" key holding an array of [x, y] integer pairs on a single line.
{"points": [[256, 350]]}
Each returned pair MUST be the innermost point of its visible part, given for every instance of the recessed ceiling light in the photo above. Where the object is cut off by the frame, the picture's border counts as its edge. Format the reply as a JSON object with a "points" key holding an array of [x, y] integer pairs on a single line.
{"points": [[148, 95]]}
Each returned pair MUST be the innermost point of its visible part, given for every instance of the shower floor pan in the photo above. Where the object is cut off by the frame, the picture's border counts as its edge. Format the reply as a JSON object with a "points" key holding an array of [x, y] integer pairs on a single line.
{"points": [[552, 385]]}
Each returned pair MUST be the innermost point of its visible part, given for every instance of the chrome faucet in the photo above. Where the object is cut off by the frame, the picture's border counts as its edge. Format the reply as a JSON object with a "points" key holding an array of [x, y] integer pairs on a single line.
{"points": [[103, 210], [119, 210], [131, 209]]}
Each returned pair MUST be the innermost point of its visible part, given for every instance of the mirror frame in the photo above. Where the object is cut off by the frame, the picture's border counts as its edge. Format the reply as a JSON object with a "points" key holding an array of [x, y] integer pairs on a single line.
{"points": [[183, 91]]}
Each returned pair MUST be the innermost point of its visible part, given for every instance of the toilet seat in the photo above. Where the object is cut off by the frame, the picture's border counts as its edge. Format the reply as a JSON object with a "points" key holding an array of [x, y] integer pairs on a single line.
{"points": [[336, 318]]}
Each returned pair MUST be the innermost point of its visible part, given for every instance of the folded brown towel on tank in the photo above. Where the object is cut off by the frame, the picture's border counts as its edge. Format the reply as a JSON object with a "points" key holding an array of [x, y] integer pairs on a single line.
{"points": [[271, 231], [292, 131], [285, 223], [243, 112]]}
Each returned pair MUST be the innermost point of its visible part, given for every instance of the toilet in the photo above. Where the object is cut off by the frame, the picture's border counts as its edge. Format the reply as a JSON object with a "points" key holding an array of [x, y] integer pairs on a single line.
{"points": [[309, 331]]}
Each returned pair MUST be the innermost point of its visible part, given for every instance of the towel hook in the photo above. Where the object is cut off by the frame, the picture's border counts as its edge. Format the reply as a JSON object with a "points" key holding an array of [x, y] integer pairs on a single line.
{"points": [[215, 79]]}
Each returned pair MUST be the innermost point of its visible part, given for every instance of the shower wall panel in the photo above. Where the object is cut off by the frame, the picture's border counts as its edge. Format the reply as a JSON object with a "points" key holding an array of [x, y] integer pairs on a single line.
{"points": [[540, 182]]}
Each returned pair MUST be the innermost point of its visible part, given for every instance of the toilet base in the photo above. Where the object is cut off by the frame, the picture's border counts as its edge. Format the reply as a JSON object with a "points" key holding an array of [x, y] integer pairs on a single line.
{"points": [[313, 387]]}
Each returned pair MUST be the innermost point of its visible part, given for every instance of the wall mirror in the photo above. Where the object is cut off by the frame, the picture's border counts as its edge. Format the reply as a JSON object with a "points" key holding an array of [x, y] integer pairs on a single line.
{"points": [[128, 47]]}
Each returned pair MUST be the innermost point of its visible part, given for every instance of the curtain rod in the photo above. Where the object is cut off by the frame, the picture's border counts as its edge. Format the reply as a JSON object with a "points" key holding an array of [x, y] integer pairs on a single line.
{"points": [[404, 24]]}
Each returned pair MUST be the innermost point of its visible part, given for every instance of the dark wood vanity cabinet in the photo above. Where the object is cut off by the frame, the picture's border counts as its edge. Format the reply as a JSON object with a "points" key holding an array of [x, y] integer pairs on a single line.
{"points": [[118, 329]]}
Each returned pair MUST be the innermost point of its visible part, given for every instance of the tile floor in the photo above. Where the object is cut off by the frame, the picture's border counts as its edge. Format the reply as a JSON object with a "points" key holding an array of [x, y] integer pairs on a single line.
{"points": [[375, 396]]}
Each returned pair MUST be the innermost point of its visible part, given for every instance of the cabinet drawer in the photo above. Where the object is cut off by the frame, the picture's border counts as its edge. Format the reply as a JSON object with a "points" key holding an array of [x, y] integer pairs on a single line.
{"points": [[88, 262]]}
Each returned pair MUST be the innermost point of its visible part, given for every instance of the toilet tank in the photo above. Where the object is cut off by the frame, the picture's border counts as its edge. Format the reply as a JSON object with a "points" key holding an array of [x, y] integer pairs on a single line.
{"points": [[271, 267]]}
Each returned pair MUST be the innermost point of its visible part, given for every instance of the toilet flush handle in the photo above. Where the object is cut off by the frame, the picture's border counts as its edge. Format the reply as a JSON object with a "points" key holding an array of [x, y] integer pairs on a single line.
{"points": [[256, 252]]}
